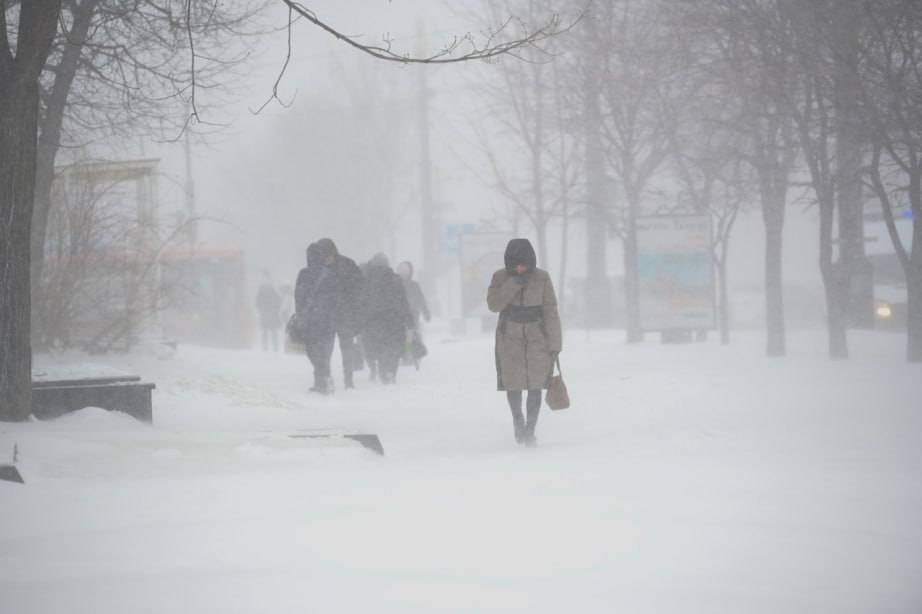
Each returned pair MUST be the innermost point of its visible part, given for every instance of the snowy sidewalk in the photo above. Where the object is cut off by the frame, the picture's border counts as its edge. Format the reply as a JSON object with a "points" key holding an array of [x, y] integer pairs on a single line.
{"points": [[685, 479]]}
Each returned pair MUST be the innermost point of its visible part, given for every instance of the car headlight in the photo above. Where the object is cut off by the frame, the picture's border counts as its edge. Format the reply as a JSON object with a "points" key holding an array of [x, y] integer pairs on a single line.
{"points": [[883, 311]]}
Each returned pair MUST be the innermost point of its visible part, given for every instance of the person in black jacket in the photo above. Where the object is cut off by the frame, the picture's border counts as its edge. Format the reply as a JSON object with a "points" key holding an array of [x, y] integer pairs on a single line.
{"points": [[315, 308], [349, 282], [387, 318]]}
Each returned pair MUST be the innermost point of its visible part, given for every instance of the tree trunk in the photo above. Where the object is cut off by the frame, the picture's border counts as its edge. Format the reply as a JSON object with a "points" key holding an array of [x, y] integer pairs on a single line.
{"points": [[564, 254], [18, 117], [834, 282], [541, 240], [836, 317], [19, 78], [773, 215], [598, 311], [724, 298], [631, 281], [914, 296], [429, 217], [914, 273]]}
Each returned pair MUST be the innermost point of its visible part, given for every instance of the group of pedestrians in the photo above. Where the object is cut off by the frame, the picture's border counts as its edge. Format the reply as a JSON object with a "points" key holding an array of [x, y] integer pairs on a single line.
{"points": [[371, 310], [376, 312]]}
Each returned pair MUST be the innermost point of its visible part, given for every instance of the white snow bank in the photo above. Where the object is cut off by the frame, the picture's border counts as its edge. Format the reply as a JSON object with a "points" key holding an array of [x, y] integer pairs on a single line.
{"points": [[692, 479], [92, 419]]}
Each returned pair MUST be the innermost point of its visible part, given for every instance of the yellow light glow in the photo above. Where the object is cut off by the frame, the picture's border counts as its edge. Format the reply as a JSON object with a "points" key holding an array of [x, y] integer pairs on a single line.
{"points": [[883, 311]]}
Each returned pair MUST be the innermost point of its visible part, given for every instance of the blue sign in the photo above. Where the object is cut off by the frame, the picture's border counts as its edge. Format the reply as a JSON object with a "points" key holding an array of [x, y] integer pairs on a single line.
{"points": [[451, 236]]}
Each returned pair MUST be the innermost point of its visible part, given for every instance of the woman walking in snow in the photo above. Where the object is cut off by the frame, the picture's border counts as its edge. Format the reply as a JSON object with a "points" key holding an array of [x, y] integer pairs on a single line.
{"points": [[528, 334]]}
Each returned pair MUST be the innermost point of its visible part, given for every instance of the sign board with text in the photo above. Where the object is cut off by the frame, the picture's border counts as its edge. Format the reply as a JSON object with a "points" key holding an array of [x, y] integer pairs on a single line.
{"points": [[675, 270]]}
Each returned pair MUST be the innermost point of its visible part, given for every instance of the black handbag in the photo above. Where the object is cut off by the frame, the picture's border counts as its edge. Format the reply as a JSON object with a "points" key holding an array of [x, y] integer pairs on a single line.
{"points": [[418, 348], [295, 329]]}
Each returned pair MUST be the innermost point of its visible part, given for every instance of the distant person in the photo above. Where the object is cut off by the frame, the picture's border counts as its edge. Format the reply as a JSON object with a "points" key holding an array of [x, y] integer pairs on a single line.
{"points": [[349, 281], [288, 303], [416, 349], [528, 333], [268, 306], [315, 308], [416, 298], [387, 319]]}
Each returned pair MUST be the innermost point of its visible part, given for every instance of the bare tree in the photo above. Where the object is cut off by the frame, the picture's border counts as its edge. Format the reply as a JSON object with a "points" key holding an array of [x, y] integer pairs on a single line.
{"points": [[80, 227], [636, 68], [123, 68], [101, 276], [527, 100], [822, 107], [754, 69], [889, 72]]}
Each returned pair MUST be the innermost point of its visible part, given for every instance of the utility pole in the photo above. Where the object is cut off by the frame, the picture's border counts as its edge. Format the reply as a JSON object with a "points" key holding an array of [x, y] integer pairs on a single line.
{"points": [[598, 291], [428, 213]]}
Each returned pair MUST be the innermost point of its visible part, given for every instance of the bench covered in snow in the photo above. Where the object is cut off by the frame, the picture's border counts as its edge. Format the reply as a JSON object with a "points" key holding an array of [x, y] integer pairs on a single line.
{"points": [[126, 393]]}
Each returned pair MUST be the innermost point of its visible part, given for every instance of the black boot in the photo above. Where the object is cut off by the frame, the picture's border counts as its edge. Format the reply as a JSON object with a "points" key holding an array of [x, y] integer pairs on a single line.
{"points": [[534, 406], [518, 422], [323, 384], [518, 425]]}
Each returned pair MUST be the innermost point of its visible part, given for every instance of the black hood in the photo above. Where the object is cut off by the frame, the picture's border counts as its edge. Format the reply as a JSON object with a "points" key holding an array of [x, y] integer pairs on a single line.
{"points": [[327, 248], [379, 261], [520, 251], [314, 257]]}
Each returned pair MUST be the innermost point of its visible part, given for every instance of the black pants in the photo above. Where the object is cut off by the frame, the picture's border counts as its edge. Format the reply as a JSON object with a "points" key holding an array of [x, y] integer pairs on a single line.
{"points": [[383, 356], [388, 362], [349, 352], [533, 406], [319, 351]]}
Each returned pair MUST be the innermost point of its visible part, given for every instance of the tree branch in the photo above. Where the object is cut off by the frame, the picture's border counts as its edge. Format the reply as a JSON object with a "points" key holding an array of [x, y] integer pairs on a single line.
{"points": [[444, 56]]}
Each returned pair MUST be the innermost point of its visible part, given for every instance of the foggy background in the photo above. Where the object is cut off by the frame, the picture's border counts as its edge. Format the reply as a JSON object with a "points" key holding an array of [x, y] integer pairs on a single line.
{"points": [[343, 161]]}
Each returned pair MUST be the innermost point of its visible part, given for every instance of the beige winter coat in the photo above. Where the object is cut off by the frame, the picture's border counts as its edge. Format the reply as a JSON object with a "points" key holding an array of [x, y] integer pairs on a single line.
{"points": [[523, 350]]}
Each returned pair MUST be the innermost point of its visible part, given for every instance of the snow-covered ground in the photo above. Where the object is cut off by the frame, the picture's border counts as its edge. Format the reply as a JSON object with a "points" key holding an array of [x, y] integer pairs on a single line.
{"points": [[684, 479]]}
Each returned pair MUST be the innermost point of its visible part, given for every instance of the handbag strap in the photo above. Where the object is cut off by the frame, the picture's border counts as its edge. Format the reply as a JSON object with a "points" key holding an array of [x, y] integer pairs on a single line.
{"points": [[557, 363]]}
